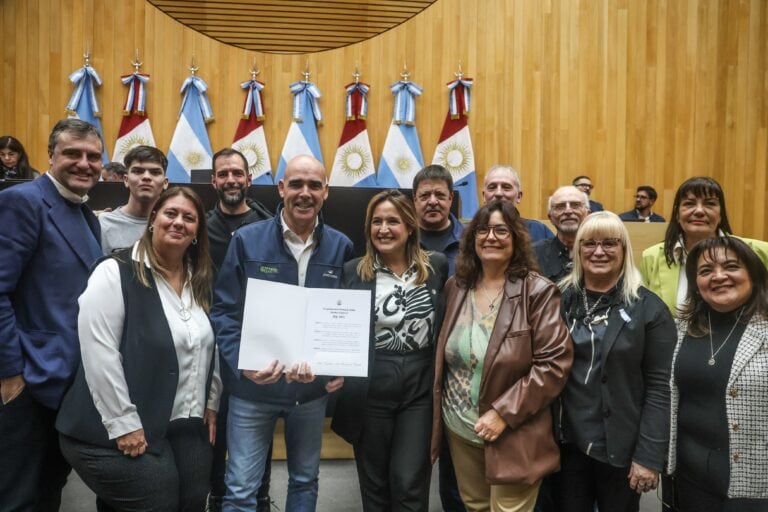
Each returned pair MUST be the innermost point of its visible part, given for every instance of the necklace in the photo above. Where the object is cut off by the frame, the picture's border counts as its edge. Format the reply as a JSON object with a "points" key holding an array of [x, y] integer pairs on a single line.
{"points": [[712, 352], [588, 316], [491, 303]]}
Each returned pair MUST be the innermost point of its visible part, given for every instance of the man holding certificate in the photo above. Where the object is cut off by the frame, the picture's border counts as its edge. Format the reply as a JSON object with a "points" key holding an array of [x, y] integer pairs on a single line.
{"points": [[293, 248]]}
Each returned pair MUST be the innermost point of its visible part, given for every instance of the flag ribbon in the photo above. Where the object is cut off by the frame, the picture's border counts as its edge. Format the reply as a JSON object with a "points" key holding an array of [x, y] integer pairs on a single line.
{"points": [[84, 78], [353, 109], [136, 93], [405, 101], [253, 99], [199, 84], [458, 100], [299, 91]]}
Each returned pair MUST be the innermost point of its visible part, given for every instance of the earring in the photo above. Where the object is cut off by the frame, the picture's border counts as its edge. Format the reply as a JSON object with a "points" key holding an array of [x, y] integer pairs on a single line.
{"points": [[194, 241], [151, 228]]}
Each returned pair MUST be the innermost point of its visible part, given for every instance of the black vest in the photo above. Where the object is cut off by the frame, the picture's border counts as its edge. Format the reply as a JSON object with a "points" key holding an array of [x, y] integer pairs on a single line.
{"points": [[150, 366]]}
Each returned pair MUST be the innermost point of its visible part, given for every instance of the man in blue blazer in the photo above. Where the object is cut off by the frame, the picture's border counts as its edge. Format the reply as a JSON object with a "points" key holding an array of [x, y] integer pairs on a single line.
{"points": [[48, 241]]}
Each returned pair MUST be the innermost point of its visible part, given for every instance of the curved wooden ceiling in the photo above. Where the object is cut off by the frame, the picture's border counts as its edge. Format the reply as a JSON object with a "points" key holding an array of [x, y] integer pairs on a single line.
{"points": [[291, 26]]}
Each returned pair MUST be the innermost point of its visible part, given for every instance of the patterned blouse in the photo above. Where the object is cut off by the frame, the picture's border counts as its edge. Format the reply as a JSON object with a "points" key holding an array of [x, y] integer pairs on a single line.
{"points": [[403, 313], [464, 356]]}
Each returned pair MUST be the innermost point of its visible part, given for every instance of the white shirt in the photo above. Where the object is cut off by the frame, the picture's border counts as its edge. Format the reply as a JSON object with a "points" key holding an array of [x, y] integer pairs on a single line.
{"points": [[300, 249], [100, 326], [66, 193]]}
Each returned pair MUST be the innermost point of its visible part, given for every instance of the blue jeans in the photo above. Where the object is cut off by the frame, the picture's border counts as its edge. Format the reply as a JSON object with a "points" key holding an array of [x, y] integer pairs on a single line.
{"points": [[250, 429]]}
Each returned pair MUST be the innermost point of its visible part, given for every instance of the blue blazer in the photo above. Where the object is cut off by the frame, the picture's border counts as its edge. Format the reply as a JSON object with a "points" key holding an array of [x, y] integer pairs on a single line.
{"points": [[45, 260]]}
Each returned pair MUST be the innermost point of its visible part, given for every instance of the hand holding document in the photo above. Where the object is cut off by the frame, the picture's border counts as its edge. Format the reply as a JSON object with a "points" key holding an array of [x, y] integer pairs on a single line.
{"points": [[327, 328]]}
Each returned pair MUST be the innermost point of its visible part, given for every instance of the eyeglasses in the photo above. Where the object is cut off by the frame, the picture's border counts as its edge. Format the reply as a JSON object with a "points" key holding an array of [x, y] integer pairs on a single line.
{"points": [[609, 245], [561, 207], [585, 185], [500, 231]]}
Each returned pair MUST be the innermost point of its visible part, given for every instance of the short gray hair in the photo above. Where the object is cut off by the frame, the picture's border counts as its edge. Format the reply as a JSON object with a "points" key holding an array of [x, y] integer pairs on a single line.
{"points": [[507, 168]]}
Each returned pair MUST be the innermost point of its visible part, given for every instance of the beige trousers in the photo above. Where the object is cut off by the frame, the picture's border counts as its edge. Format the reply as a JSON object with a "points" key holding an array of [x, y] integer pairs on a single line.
{"points": [[479, 496]]}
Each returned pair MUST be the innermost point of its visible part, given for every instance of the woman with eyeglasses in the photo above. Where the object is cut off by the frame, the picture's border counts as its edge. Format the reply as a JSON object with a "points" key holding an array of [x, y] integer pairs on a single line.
{"points": [[503, 355], [613, 415], [698, 213]]}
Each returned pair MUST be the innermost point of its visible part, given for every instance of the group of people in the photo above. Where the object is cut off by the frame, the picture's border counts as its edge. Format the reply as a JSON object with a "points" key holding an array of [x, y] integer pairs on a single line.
{"points": [[543, 371]]}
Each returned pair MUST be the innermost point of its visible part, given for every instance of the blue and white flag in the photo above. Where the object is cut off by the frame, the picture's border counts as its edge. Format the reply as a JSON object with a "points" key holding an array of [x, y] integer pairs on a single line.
{"points": [[190, 146], [302, 138], [401, 157], [83, 104]]}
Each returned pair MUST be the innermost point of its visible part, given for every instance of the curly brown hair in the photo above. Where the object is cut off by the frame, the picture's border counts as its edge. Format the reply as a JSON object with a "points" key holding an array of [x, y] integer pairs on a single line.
{"points": [[469, 268]]}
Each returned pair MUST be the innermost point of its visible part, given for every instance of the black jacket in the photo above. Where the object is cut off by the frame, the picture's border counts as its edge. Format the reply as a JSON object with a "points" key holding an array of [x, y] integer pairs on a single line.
{"points": [[636, 361], [348, 415], [219, 234], [150, 366]]}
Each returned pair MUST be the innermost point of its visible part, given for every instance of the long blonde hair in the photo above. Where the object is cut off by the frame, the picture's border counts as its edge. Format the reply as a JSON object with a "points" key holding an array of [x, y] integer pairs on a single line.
{"points": [[413, 251], [605, 225]]}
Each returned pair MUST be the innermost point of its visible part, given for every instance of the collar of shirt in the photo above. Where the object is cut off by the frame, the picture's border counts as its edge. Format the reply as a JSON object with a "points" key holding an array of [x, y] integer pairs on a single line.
{"points": [[378, 266], [640, 216], [294, 240], [65, 192], [679, 249]]}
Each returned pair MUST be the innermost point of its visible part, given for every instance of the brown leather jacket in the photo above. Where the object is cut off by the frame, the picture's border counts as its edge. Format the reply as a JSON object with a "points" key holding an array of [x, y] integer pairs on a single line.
{"points": [[526, 366]]}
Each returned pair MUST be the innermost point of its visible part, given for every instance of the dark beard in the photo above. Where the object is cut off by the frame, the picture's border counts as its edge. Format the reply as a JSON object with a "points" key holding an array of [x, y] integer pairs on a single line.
{"points": [[231, 200]]}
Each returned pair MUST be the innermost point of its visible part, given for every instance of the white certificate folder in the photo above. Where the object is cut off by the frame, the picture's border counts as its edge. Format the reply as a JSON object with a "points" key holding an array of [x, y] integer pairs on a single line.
{"points": [[328, 328]]}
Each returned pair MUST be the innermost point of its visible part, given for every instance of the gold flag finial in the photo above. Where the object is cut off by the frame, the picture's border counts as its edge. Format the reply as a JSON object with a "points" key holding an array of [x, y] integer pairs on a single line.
{"points": [[136, 63], [356, 74], [459, 74], [193, 67], [306, 74], [405, 75]]}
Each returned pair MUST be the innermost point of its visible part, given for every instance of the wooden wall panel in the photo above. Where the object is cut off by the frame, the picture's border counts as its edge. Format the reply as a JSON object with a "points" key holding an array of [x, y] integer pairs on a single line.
{"points": [[628, 91]]}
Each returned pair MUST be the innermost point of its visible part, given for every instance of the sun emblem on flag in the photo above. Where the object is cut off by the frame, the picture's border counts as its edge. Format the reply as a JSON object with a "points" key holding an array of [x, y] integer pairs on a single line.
{"points": [[255, 154], [456, 158], [404, 164], [133, 141], [194, 159], [355, 161]]}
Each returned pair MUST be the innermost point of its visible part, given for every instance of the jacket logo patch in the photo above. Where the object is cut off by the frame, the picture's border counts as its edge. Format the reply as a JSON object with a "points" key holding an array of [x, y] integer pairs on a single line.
{"points": [[267, 270], [331, 274]]}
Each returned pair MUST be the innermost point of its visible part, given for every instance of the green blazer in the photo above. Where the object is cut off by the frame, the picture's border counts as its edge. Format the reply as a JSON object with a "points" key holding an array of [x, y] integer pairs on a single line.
{"points": [[662, 279]]}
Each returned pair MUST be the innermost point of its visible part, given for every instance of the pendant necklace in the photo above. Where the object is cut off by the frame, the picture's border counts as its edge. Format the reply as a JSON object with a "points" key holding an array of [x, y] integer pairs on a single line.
{"points": [[491, 303], [588, 316], [712, 352]]}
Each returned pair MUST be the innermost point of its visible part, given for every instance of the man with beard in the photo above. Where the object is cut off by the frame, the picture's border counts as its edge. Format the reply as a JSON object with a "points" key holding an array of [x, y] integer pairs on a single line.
{"points": [[234, 209], [567, 209], [231, 180], [645, 198], [145, 180]]}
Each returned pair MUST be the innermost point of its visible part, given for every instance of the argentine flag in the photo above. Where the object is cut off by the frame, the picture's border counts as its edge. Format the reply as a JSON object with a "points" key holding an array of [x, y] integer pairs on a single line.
{"points": [[302, 138], [83, 104], [454, 149], [401, 157], [249, 136], [353, 164], [190, 146]]}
